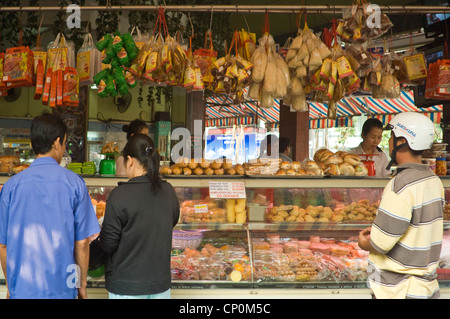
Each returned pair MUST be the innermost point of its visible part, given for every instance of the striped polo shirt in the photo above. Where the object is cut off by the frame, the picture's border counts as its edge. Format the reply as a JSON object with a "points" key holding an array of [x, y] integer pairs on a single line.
{"points": [[407, 235]]}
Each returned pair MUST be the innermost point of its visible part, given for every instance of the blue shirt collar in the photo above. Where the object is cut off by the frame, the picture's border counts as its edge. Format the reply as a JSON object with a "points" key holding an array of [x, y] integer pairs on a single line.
{"points": [[44, 161]]}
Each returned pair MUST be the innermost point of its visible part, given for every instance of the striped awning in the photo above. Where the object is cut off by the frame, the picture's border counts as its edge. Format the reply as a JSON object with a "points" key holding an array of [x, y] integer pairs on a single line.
{"points": [[383, 109], [220, 111]]}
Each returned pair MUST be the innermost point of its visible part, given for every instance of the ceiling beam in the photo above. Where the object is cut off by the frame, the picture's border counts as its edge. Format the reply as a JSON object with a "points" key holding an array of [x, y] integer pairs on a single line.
{"points": [[321, 9]]}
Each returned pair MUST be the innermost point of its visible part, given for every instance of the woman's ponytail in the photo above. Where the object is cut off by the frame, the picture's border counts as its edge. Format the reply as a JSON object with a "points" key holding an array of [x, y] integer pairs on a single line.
{"points": [[141, 147]]}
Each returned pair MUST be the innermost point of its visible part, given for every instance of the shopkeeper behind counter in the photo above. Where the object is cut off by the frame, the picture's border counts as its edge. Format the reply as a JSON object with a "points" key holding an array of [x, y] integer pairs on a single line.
{"points": [[371, 134], [136, 126]]}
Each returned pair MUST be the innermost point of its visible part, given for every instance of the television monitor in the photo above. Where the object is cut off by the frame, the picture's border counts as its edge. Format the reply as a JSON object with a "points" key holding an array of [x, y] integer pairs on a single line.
{"points": [[219, 144], [436, 23]]}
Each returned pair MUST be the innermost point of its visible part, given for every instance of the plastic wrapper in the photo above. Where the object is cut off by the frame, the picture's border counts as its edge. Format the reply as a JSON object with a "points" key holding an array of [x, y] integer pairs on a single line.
{"points": [[415, 66], [358, 24], [438, 81], [292, 260], [18, 67], [88, 61], [211, 261]]}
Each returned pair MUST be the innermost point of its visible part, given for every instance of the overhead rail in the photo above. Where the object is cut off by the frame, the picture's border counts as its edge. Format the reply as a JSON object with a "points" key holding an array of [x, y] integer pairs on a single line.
{"points": [[321, 9]]}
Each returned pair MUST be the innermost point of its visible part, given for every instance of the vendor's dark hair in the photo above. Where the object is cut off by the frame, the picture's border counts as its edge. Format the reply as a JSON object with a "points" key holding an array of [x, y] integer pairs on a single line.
{"points": [[44, 131], [369, 124], [134, 127], [283, 144], [142, 148]]}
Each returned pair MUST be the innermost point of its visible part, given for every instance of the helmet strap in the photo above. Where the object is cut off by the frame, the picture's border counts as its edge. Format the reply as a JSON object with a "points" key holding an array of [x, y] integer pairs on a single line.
{"points": [[394, 152]]}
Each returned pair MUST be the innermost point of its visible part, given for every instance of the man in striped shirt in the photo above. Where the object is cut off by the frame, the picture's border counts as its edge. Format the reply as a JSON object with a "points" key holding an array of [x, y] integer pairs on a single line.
{"points": [[406, 236]]}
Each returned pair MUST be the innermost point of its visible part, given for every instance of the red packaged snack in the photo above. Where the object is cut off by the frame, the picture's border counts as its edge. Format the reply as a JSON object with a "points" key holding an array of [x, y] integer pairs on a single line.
{"points": [[18, 68], [47, 85], [39, 80]]}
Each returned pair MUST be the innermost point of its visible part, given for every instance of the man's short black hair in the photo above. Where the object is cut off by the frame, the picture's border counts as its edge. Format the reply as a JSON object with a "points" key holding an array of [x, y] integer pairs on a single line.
{"points": [[44, 131], [283, 144]]}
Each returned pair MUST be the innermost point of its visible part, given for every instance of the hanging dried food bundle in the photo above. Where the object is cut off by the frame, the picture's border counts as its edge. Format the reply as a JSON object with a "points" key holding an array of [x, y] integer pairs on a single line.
{"points": [[232, 73], [120, 51], [305, 56], [362, 22], [270, 78], [334, 79]]}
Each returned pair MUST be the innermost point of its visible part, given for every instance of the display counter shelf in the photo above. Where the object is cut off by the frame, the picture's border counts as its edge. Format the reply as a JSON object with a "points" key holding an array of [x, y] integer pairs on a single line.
{"points": [[249, 247]]}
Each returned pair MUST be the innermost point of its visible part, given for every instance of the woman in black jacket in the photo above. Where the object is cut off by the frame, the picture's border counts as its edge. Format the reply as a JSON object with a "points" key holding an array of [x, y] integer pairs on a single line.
{"points": [[137, 228]]}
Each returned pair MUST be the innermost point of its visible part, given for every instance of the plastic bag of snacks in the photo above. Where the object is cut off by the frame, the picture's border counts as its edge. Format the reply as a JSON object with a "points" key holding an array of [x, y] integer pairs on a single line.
{"points": [[231, 72], [358, 24], [3, 88], [88, 58], [438, 81], [18, 67], [205, 57], [40, 65], [415, 66], [70, 87]]}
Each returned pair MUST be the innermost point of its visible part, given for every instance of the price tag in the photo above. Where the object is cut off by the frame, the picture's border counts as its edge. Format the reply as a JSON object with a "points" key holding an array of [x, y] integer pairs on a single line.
{"points": [[227, 190], [201, 208]]}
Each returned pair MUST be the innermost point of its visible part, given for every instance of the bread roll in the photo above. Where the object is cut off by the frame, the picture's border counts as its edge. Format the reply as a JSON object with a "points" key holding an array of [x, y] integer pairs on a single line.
{"points": [[208, 171], [216, 165], [176, 170], [9, 159], [227, 164], [182, 162], [285, 165], [280, 172], [311, 165], [325, 155], [333, 159], [198, 171], [346, 169], [300, 171], [295, 165], [18, 168], [332, 169], [341, 154], [361, 170], [290, 171], [318, 153], [165, 170], [6, 168], [219, 171], [193, 164], [352, 159], [187, 171], [230, 171], [239, 169], [204, 163]]}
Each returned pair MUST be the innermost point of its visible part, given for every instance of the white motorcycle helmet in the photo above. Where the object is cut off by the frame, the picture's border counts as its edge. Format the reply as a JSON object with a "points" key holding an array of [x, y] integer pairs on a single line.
{"points": [[417, 129]]}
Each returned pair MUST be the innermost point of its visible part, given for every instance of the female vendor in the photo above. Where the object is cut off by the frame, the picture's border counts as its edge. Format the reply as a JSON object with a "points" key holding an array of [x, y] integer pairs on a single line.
{"points": [[371, 134]]}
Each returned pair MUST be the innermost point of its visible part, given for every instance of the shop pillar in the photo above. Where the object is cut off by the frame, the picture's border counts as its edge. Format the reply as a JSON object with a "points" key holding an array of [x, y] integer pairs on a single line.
{"points": [[295, 126], [445, 123], [195, 112]]}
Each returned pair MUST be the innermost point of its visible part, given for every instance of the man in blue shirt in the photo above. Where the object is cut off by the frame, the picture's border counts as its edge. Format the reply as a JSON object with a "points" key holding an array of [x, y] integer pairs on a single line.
{"points": [[46, 219]]}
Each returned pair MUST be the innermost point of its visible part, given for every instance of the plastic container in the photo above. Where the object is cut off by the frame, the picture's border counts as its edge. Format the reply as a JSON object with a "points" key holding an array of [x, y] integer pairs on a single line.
{"points": [[432, 163], [256, 212], [441, 166], [186, 239], [439, 146]]}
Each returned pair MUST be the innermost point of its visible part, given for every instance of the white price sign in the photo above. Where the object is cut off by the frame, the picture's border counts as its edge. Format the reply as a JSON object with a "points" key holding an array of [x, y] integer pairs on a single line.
{"points": [[227, 190]]}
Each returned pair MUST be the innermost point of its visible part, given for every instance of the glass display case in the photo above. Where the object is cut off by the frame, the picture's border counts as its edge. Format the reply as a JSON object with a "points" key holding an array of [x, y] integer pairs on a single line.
{"points": [[298, 236]]}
